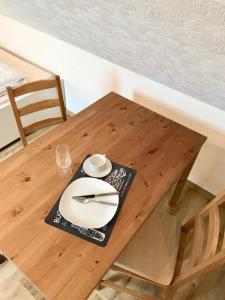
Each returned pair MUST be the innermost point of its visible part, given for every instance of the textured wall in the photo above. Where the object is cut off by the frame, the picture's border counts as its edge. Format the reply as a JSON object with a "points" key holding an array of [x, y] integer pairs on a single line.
{"points": [[179, 43]]}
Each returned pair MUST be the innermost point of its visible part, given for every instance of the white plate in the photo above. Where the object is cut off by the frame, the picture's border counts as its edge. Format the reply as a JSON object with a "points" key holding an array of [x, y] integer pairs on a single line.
{"points": [[88, 170], [91, 215]]}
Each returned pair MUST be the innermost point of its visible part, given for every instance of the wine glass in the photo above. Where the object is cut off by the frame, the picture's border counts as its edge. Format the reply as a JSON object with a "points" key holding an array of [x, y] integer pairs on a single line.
{"points": [[63, 159]]}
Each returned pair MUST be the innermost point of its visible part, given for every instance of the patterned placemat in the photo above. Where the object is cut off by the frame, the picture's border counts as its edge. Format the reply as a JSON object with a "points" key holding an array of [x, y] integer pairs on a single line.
{"points": [[120, 178]]}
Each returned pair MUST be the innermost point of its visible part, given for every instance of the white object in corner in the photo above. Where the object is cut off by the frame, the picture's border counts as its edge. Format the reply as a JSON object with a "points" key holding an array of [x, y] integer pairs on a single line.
{"points": [[7, 120]]}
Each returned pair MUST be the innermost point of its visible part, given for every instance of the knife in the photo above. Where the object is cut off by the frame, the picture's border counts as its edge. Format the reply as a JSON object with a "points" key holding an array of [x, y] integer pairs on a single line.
{"points": [[90, 196]]}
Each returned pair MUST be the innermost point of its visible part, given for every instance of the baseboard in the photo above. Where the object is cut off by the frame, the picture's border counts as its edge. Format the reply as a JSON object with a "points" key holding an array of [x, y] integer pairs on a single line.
{"points": [[69, 113]]}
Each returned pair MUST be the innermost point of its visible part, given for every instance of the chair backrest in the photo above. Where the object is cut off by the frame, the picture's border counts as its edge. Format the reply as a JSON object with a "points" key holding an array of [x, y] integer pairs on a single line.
{"points": [[208, 250], [37, 106]]}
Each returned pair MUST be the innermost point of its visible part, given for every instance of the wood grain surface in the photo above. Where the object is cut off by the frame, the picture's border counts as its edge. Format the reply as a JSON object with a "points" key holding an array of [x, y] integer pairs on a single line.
{"points": [[61, 265]]}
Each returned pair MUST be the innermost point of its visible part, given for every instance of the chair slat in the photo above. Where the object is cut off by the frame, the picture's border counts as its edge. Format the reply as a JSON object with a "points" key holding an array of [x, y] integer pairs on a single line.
{"points": [[34, 87], [180, 253], [197, 241], [123, 289], [34, 107], [223, 244], [41, 124], [213, 231], [220, 202]]}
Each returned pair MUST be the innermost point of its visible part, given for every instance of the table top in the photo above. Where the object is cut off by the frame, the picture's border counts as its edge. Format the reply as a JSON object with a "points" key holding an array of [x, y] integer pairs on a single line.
{"points": [[62, 265]]}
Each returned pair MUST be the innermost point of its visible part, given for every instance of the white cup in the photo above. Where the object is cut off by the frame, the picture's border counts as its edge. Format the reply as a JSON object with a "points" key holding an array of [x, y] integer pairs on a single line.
{"points": [[98, 162]]}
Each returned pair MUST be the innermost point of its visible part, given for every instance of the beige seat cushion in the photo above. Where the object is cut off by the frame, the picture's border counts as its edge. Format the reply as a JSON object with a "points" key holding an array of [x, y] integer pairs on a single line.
{"points": [[152, 253]]}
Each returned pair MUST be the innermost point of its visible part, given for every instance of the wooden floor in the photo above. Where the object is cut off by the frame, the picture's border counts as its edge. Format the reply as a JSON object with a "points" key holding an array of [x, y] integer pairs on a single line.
{"points": [[210, 287], [15, 286]]}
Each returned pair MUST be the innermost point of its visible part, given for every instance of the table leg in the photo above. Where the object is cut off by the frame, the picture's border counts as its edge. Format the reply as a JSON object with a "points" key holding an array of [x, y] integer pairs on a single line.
{"points": [[181, 182], [2, 258]]}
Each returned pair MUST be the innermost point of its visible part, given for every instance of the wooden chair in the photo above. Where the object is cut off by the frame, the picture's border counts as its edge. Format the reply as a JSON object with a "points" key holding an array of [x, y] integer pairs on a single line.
{"points": [[149, 258], [37, 106]]}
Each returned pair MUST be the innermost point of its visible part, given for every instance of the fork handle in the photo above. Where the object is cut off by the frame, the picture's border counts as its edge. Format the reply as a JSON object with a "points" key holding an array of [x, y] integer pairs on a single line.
{"points": [[104, 202]]}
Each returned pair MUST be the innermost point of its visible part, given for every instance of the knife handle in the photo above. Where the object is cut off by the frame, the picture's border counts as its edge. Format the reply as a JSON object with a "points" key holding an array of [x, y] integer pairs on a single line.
{"points": [[105, 194], [91, 196]]}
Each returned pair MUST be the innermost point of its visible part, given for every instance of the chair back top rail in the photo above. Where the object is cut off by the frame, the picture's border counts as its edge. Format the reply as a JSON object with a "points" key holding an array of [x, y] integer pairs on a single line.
{"points": [[33, 87]]}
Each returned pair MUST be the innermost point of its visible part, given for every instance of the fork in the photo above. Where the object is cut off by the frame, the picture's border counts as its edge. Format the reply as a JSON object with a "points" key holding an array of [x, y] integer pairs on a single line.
{"points": [[86, 201]]}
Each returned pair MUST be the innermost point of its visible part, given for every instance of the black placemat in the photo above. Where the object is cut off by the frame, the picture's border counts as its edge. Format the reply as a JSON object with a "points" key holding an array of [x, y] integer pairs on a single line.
{"points": [[121, 178]]}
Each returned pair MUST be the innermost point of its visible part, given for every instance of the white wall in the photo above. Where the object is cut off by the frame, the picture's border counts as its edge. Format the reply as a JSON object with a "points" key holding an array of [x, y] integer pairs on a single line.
{"points": [[88, 77], [177, 43]]}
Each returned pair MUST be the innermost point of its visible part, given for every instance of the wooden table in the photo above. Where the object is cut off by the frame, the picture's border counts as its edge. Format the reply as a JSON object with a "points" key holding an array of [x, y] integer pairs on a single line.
{"points": [[62, 265]]}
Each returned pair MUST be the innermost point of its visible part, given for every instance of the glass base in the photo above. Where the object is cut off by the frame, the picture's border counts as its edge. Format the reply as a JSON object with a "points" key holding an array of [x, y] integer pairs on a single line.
{"points": [[65, 172]]}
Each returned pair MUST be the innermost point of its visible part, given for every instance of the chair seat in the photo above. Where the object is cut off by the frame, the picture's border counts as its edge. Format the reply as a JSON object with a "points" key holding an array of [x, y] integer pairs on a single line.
{"points": [[153, 251]]}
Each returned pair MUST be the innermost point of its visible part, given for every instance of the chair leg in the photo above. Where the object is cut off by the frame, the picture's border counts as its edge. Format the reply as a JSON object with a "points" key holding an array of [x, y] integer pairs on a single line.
{"points": [[99, 287], [2, 258]]}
